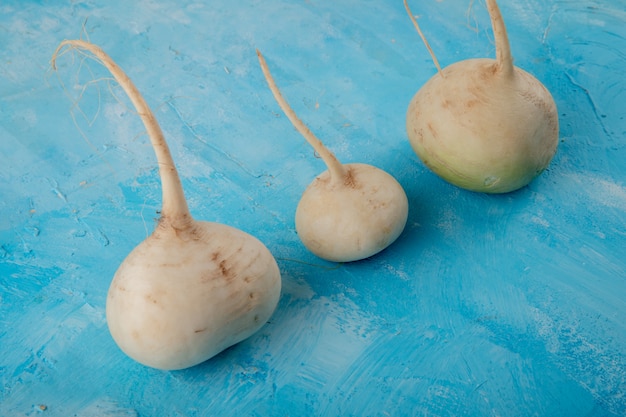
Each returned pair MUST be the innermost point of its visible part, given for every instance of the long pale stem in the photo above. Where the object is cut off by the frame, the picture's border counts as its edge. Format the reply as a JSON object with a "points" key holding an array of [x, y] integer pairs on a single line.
{"points": [[335, 168], [504, 58], [175, 208], [419, 31]]}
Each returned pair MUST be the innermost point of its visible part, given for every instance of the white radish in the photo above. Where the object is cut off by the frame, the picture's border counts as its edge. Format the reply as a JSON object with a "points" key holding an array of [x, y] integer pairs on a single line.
{"points": [[484, 124], [349, 212], [191, 289]]}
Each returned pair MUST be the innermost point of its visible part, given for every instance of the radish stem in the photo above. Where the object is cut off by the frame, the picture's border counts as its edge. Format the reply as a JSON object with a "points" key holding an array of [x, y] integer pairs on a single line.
{"points": [[419, 31], [175, 211], [504, 58], [337, 171]]}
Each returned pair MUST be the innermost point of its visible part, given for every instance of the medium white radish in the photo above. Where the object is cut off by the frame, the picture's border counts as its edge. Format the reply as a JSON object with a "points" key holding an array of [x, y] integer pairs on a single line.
{"points": [[484, 124], [349, 212], [192, 288]]}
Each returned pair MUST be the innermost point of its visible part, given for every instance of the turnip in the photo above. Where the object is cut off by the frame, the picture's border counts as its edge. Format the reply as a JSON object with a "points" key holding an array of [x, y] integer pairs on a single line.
{"points": [[349, 212], [192, 288], [484, 124]]}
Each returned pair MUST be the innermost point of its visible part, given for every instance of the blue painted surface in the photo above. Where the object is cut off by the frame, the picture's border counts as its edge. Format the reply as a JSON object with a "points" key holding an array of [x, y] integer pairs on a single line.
{"points": [[510, 305]]}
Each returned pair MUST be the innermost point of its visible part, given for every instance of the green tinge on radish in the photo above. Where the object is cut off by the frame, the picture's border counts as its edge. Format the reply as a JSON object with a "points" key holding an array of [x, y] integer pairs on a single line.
{"points": [[192, 288], [484, 124]]}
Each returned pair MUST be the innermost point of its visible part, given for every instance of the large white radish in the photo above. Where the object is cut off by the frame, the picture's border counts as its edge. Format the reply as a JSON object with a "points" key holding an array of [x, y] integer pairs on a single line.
{"points": [[192, 288], [484, 124]]}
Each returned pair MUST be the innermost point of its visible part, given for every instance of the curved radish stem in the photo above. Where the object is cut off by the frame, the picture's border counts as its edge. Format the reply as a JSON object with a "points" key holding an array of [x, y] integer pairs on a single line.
{"points": [[419, 31], [175, 210], [337, 172], [503, 47]]}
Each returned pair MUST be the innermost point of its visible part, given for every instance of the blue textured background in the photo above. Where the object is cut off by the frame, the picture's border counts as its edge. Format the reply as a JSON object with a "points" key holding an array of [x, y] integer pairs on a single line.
{"points": [[509, 305]]}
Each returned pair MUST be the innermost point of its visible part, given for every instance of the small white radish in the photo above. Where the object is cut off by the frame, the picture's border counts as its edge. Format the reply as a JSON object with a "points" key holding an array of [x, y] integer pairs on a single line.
{"points": [[191, 289], [349, 212], [484, 124]]}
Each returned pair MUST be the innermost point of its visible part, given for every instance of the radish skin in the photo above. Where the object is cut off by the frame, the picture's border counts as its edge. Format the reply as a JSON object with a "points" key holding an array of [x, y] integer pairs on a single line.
{"points": [[192, 288], [349, 212], [484, 124]]}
